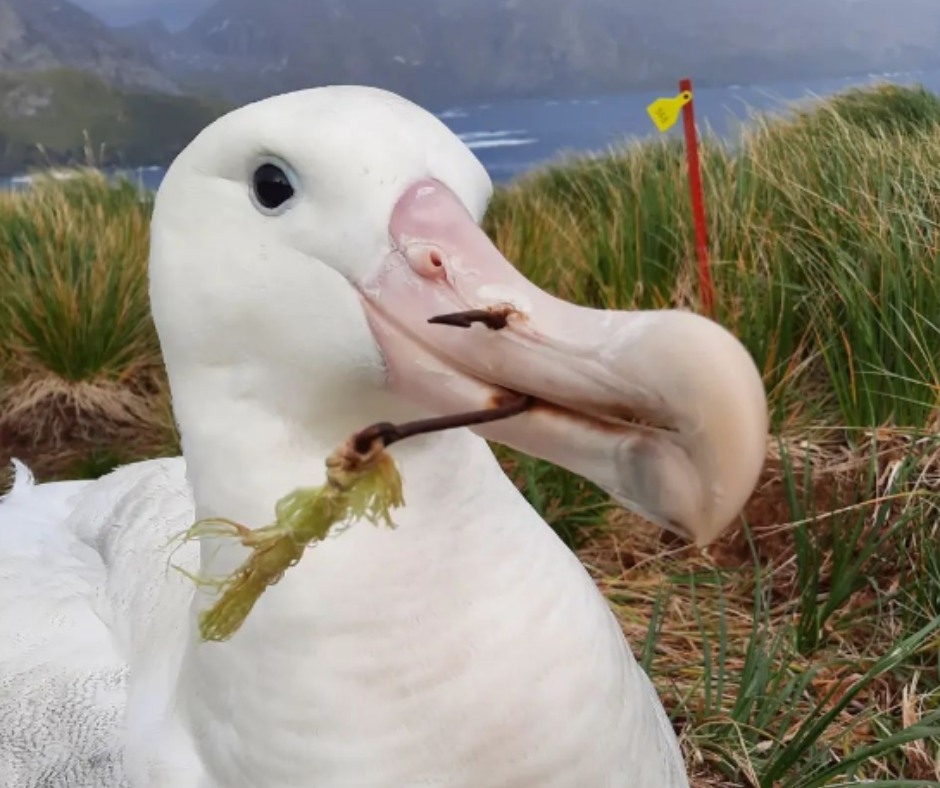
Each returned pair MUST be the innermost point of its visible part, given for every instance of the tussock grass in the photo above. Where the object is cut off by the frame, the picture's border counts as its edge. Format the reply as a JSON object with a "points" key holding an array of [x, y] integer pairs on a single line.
{"points": [[802, 649], [80, 365]]}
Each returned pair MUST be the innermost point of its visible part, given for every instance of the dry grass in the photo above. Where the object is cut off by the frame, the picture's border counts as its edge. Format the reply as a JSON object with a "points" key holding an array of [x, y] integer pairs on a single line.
{"points": [[802, 649]]}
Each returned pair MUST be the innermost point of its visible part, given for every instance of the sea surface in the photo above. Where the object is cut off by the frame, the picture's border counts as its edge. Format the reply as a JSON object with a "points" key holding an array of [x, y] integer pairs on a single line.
{"points": [[512, 137]]}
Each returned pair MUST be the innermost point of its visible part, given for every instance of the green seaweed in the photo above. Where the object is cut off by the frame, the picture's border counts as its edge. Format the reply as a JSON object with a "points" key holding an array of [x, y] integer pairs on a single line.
{"points": [[358, 486]]}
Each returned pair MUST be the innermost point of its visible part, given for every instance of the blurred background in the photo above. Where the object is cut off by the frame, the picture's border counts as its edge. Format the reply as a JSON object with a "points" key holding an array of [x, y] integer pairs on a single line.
{"points": [[131, 81]]}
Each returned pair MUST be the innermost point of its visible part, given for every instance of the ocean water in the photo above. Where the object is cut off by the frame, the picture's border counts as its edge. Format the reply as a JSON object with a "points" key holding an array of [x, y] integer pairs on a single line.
{"points": [[512, 137]]}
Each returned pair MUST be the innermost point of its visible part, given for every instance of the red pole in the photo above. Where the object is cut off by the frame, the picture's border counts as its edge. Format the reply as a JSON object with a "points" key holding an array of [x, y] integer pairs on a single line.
{"points": [[698, 204]]}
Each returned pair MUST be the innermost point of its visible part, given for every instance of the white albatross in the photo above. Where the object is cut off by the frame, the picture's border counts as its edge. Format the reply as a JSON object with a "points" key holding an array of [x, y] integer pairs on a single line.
{"points": [[299, 247]]}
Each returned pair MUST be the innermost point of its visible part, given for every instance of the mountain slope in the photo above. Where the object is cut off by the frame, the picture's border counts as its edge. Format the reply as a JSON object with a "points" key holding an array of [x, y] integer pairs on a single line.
{"points": [[45, 116], [431, 50], [455, 50], [39, 35]]}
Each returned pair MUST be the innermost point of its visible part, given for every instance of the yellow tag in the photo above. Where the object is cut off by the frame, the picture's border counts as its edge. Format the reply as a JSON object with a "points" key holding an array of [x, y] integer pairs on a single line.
{"points": [[665, 111]]}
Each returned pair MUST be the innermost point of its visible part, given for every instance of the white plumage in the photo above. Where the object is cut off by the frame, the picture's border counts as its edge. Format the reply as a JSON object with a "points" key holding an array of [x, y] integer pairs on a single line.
{"points": [[467, 648], [89, 592]]}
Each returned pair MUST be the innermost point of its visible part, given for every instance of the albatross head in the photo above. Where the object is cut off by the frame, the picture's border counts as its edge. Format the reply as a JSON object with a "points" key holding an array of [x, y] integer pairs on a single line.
{"points": [[300, 246]]}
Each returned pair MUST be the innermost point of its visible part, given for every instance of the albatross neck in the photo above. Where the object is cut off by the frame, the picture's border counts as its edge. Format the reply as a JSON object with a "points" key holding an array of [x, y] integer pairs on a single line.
{"points": [[242, 454]]}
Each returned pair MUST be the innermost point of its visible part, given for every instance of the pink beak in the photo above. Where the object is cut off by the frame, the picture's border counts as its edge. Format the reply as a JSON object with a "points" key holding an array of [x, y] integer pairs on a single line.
{"points": [[665, 410]]}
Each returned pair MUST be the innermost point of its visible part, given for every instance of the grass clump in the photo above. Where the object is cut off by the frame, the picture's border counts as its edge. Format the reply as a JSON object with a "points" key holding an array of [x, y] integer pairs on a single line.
{"points": [[887, 107], [801, 650], [80, 365], [84, 240]]}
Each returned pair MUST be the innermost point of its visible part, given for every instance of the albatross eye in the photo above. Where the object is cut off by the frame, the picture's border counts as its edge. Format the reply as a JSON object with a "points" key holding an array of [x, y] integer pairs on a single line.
{"points": [[271, 186]]}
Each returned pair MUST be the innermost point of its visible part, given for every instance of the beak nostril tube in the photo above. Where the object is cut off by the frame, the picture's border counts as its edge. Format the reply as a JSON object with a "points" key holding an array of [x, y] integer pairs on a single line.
{"points": [[426, 261]]}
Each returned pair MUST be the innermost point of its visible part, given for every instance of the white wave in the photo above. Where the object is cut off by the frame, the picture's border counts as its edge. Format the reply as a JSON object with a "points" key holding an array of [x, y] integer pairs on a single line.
{"points": [[503, 138], [505, 142], [448, 114], [471, 136]]}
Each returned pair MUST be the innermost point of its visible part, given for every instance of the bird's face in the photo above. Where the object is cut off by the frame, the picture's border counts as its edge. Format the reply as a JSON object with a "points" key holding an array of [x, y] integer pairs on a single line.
{"points": [[305, 248]]}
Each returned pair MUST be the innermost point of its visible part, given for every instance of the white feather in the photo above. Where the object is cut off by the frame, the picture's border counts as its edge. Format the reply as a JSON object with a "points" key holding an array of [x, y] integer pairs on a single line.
{"points": [[432, 659], [61, 678]]}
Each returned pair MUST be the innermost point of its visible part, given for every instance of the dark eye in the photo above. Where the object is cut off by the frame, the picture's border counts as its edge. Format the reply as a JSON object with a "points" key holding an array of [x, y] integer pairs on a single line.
{"points": [[272, 186]]}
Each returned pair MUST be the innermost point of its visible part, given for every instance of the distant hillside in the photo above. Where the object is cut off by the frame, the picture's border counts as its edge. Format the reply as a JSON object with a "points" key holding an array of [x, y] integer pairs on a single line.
{"points": [[44, 117], [442, 51], [39, 35], [438, 52]]}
